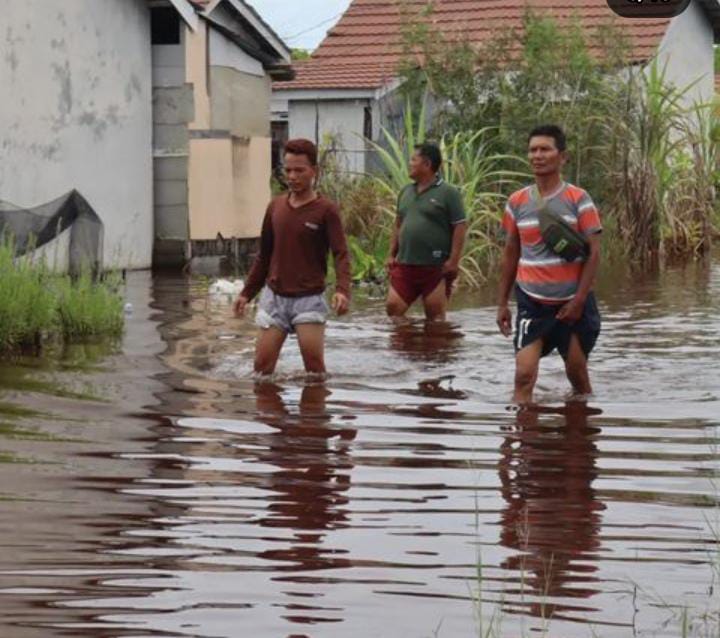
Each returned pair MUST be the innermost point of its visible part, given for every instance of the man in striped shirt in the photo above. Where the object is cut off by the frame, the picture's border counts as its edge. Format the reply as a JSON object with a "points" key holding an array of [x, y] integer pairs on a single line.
{"points": [[556, 305]]}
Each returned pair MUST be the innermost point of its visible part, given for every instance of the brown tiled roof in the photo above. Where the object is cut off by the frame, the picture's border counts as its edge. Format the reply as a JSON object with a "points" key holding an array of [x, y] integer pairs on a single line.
{"points": [[363, 49]]}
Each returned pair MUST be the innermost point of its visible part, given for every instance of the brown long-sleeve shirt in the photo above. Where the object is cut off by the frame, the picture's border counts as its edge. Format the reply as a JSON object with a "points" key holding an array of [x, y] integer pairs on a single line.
{"points": [[294, 247]]}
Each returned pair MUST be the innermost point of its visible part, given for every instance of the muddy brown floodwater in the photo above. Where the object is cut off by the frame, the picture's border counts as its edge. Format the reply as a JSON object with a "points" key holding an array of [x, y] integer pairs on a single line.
{"points": [[154, 490]]}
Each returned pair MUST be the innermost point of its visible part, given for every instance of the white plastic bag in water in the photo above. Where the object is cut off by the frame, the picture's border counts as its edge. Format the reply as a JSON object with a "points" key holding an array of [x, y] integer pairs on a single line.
{"points": [[225, 291]]}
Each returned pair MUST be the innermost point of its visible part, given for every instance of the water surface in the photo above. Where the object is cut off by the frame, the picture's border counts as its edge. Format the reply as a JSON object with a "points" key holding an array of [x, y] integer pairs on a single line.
{"points": [[155, 490]]}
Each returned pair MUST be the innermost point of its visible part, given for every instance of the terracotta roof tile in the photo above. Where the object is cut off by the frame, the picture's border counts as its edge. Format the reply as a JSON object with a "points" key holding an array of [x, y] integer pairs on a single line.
{"points": [[363, 49]]}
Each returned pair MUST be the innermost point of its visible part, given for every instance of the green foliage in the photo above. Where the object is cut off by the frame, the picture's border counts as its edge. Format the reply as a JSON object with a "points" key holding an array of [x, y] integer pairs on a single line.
{"points": [[368, 258], [88, 308], [366, 208], [27, 306], [662, 161], [36, 304], [649, 162], [300, 54]]}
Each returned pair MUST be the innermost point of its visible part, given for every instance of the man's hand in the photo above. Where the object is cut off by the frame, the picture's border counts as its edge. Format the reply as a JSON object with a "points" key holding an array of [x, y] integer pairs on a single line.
{"points": [[571, 311], [451, 267], [504, 320], [240, 305], [340, 303], [390, 263]]}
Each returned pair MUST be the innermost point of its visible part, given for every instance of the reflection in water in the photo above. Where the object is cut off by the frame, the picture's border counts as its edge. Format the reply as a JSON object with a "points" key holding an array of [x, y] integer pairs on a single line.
{"points": [[430, 342], [427, 341], [308, 488], [552, 515]]}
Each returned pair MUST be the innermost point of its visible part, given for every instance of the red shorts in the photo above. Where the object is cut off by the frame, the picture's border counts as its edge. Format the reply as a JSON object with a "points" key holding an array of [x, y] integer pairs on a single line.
{"points": [[411, 282]]}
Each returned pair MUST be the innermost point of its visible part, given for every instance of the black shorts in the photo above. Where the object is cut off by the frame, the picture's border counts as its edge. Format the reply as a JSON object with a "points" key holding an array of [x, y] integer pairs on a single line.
{"points": [[537, 320]]}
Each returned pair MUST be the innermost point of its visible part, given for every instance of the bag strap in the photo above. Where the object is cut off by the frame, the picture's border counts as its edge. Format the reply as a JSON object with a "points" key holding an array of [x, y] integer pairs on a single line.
{"points": [[542, 202]]}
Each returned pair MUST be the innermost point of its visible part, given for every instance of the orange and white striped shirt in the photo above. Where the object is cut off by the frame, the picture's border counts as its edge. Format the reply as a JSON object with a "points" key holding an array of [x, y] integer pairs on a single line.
{"points": [[541, 273]]}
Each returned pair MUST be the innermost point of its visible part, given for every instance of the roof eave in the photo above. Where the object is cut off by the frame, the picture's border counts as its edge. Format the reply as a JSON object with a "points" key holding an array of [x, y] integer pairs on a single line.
{"points": [[188, 13], [257, 23]]}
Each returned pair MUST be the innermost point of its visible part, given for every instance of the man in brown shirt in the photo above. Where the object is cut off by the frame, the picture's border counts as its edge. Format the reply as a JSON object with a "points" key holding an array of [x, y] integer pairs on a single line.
{"points": [[299, 229]]}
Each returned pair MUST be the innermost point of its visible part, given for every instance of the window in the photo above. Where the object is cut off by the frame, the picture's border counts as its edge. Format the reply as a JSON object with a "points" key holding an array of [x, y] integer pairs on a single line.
{"points": [[368, 124], [165, 25]]}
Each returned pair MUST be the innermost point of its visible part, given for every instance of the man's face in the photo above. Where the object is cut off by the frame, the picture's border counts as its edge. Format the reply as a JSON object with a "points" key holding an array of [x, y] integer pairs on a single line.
{"points": [[299, 173], [544, 156], [419, 166]]}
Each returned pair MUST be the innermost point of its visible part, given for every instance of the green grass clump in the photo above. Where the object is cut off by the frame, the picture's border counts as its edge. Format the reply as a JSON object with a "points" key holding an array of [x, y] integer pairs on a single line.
{"points": [[37, 305], [27, 305], [87, 308]]}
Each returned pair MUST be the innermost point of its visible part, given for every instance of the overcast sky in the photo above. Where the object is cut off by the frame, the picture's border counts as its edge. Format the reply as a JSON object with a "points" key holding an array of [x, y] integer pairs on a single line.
{"points": [[302, 23]]}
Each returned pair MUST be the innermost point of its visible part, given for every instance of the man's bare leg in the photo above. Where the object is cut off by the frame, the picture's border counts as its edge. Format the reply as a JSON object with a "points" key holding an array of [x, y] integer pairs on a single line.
{"points": [[395, 306], [267, 349], [436, 303], [576, 367], [527, 364], [311, 339]]}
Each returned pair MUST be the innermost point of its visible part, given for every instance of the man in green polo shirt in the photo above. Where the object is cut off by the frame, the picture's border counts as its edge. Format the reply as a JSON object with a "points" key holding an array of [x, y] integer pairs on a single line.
{"points": [[427, 240]]}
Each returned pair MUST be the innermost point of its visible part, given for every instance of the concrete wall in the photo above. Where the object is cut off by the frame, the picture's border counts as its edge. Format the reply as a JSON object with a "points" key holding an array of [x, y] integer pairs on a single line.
{"points": [[173, 110], [344, 120], [687, 48], [80, 115], [229, 167], [240, 102], [229, 185]]}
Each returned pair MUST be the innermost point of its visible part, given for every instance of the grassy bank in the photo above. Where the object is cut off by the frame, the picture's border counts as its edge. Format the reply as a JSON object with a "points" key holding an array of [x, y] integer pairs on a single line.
{"points": [[38, 306]]}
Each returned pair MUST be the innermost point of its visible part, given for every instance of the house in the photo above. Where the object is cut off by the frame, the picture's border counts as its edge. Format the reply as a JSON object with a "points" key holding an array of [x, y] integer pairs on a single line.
{"points": [[348, 89], [148, 120]]}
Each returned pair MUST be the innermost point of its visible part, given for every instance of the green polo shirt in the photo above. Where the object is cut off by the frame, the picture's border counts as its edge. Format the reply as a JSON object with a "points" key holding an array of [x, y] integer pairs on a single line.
{"points": [[426, 223]]}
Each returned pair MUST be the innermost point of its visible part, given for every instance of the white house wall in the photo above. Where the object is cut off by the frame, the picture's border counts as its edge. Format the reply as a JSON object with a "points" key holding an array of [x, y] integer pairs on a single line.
{"points": [[342, 120], [76, 113], [687, 49], [224, 52]]}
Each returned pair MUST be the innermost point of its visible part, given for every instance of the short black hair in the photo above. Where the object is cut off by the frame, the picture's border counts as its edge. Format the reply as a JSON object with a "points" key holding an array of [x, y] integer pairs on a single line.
{"points": [[431, 152], [550, 130]]}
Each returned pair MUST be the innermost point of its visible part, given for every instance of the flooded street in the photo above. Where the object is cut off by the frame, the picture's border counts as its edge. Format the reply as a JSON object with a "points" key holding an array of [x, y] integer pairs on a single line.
{"points": [[154, 490]]}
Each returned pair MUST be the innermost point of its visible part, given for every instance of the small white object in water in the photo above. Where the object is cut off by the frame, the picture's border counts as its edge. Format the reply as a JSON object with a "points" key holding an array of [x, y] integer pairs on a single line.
{"points": [[226, 290], [128, 308]]}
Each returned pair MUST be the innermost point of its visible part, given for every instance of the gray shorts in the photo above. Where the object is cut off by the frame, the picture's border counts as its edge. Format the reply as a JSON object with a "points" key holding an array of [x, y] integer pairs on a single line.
{"points": [[287, 312]]}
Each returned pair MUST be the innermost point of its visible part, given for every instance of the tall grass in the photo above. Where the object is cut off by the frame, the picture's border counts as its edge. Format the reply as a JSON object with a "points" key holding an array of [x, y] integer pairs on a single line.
{"points": [[27, 305], [89, 308], [37, 305], [646, 156]]}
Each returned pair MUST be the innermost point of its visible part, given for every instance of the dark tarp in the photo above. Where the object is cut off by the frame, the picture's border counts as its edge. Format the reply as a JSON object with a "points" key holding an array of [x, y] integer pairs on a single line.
{"points": [[35, 227]]}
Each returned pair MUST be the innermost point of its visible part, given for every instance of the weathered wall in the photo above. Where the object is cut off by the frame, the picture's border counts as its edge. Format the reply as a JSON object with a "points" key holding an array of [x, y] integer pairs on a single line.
{"points": [[240, 102], [687, 49], [344, 120], [240, 90], [229, 168], [173, 110], [229, 185], [79, 116]]}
